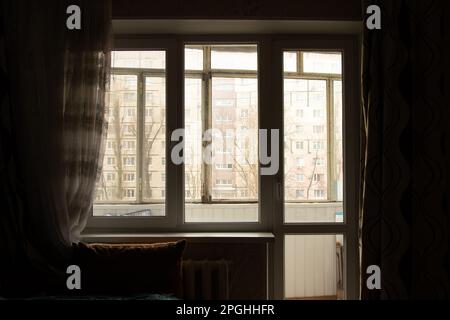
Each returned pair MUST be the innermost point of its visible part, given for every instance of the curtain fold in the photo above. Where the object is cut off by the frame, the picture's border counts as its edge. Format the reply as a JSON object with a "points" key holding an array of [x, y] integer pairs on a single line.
{"points": [[406, 152], [53, 119]]}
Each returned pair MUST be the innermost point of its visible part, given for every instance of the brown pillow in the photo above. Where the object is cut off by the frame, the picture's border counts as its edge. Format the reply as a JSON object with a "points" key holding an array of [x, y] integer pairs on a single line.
{"points": [[123, 269]]}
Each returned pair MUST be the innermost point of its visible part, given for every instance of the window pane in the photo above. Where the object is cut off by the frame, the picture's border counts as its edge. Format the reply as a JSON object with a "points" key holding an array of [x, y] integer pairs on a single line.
{"points": [[234, 145], [193, 142], [305, 139], [119, 164], [225, 188], [127, 105], [290, 61], [153, 179], [138, 59], [234, 57], [193, 58], [314, 267], [315, 62], [307, 182]]}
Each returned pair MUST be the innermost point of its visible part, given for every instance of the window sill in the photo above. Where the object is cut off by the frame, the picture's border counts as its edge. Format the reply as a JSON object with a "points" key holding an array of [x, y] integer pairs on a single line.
{"points": [[208, 237]]}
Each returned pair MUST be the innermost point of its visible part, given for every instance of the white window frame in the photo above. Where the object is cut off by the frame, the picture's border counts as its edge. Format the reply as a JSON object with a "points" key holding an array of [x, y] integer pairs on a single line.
{"points": [[271, 199]]}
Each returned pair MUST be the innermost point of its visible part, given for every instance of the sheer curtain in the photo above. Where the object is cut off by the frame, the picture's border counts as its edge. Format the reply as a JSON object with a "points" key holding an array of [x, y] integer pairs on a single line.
{"points": [[53, 119]]}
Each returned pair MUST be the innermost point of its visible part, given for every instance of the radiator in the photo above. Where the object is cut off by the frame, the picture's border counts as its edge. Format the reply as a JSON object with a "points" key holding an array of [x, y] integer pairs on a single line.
{"points": [[205, 280]]}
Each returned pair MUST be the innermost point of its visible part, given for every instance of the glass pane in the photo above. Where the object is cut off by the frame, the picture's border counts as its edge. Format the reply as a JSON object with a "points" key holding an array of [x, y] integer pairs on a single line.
{"points": [[225, 188], [154, 141], [338, 174], [316, 62], [313, 266], [290, 61], [193, 140], [193, 58], [305, 140], [234, 57], [138, 59], [234, 145], [118, 180]]}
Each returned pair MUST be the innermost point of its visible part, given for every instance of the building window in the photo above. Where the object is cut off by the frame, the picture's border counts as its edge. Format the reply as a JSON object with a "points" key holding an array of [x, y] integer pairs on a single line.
{"points": [[319, 129], [318, 145], [317, 177], [320, 162], [128, 177], [129, 193], [300, 193], [128, 161], [319, 194], [299, 145], [244, 113]]}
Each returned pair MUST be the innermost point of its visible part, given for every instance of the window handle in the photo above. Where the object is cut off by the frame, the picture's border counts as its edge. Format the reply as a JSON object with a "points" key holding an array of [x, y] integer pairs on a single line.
{"points": [[279, 186]]}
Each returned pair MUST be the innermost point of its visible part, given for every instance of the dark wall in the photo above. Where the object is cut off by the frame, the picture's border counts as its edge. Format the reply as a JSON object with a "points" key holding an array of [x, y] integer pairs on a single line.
{"points": [[238, 9]]}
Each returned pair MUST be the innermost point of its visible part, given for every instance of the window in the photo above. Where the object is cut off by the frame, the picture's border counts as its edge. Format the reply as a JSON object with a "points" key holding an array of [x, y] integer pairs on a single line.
{"points": [[129, 161], [128, 193], [316, 169], [225, 102], [318, 129], [230, 81], [300, 193], [319, 193], [130, 145], [128, 177], [225, 91], [320, 162], [317, 177], [318, 145], [132, 89], [224, 166]]}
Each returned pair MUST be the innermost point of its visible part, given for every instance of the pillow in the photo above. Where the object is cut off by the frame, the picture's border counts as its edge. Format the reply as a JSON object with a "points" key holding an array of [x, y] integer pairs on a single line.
{"points": [[123, 269]]}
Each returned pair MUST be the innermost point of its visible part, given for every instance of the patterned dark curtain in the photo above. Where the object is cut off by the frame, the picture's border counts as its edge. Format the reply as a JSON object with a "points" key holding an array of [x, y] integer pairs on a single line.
{"points": [[52, 92], [406, 106]]}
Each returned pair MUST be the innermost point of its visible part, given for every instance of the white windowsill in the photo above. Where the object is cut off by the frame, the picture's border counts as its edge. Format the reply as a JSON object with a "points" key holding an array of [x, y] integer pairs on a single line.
{"points": [[211, 237]]}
